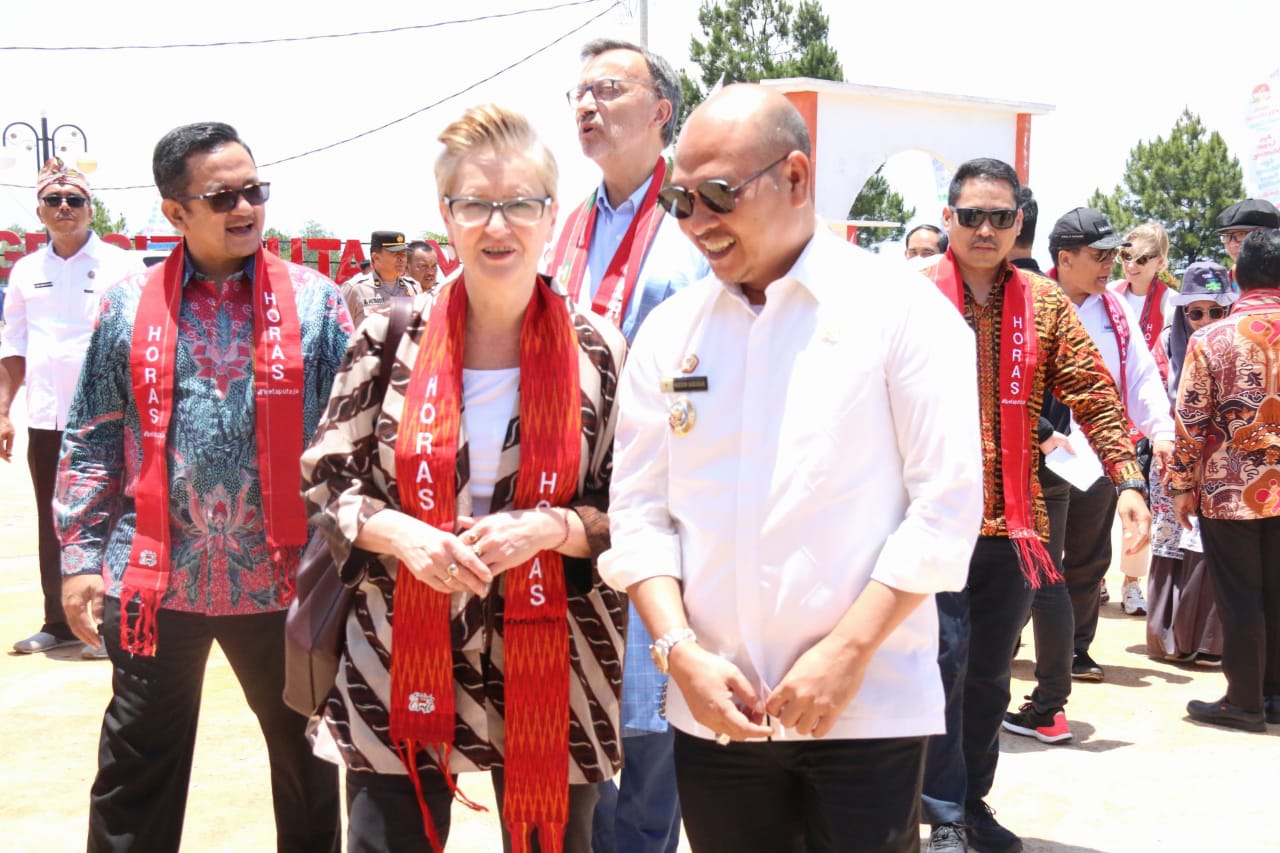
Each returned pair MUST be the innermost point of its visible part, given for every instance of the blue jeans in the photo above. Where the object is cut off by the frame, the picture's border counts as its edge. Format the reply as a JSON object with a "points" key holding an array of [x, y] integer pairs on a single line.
{"points": [[642, 814], [978, 629]]}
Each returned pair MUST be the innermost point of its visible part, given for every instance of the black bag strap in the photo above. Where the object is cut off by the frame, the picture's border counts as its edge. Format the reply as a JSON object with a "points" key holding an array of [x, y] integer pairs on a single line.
{"points": [[398, 320]]}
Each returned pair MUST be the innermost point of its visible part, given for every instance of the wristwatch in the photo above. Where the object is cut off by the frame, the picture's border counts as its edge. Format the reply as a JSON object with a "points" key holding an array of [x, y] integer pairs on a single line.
{"points": [[1136, 483], [661, 648]]}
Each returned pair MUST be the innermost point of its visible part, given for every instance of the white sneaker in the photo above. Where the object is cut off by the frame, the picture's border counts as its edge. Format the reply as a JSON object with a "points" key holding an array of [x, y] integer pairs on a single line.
{"points": [[1132, 600]]}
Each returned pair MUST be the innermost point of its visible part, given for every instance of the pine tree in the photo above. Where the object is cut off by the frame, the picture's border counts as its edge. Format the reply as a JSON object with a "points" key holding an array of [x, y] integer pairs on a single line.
{"points": [[1183, 183]]}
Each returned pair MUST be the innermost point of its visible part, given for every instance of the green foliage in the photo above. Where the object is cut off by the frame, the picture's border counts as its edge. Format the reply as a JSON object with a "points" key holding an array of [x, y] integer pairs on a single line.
{"points": [[876, 201], [1182, 182], [17, 229], [751, 40], [101, 222], [441, 239]]}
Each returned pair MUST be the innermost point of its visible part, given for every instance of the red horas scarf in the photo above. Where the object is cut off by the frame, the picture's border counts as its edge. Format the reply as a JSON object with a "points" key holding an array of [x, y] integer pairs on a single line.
{"points": [[1019, 358], [277, 383], [569, 264], [535, 628]]}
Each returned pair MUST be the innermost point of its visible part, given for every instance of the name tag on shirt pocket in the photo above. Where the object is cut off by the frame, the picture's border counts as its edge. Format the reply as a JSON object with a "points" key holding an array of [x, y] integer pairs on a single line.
{"points": [[41, 284]]}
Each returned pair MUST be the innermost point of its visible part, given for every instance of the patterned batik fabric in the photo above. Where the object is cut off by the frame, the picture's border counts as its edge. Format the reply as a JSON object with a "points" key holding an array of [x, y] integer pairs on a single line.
{"points": [[1070, 368], [1228, 416], [349, 475], [218, 547]]}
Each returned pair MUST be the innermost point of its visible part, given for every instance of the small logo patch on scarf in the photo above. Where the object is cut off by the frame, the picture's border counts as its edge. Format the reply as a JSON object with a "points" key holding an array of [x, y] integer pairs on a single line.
{"points": [[422, 703]]}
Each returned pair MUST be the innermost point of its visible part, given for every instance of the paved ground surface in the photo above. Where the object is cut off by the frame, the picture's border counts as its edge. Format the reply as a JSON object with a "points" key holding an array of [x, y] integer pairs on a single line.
{"points": [[1138, 777]]}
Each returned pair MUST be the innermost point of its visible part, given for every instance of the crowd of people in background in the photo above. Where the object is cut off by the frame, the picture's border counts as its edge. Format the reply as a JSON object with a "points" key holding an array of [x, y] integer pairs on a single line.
{"points": [[662, 529]]}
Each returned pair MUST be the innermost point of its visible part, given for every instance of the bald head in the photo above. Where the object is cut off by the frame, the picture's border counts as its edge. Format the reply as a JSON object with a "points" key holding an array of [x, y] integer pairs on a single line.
{"points": [[756, 116], [742, 184]]}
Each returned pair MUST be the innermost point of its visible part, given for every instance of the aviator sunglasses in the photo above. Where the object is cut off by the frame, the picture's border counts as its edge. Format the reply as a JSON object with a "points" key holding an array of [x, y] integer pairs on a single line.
{"points": [[715, 194], [973, 217], [55, 200], [225, 201], [1195, 315]]}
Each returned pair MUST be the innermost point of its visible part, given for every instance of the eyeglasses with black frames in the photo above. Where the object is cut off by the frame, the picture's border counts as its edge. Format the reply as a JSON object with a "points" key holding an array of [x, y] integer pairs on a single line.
{"points": [[225, 201], [466, 210], [972, 217], [56, 200]]}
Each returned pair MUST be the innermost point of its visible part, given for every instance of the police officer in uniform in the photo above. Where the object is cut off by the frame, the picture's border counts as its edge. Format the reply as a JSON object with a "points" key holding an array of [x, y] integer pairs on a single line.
{"points": [[385, 280]]}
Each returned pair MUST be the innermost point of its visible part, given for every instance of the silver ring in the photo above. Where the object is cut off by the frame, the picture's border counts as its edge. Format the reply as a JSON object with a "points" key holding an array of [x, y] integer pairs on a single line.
{"points": [[452, 570], [723, 739]]}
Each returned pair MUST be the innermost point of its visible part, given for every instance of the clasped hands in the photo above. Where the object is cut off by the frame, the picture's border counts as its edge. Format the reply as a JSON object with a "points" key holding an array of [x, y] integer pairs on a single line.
{"points": [[478, 551], [809, 699]]}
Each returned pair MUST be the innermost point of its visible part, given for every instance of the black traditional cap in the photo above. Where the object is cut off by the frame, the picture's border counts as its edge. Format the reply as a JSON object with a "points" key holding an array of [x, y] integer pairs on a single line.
{"points": [[1084, 226], [1250, 213], [390, 241]]}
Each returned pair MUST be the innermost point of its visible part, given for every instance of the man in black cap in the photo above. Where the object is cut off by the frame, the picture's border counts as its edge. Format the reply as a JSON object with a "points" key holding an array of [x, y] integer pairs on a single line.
{"points": [[1083, 245], [1235, 223], [385, 280]]}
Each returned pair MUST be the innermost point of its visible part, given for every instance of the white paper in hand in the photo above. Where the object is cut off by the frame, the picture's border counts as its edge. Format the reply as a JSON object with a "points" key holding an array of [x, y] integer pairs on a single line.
{"points": [[1081, 469]]}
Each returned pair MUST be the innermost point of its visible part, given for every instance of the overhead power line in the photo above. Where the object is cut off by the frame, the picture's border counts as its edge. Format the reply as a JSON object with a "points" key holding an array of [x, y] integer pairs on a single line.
{"points": [[402, 118], [284, 39]]}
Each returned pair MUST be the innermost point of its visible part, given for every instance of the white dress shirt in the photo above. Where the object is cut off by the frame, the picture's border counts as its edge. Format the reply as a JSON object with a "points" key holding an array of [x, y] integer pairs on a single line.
{"points": [[49, 314], [838, 442], [1147, 402]]}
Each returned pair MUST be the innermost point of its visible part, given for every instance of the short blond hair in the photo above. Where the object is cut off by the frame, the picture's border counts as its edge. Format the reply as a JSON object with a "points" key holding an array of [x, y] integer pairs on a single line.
{"points": [[491, 128], [1151, 232]]}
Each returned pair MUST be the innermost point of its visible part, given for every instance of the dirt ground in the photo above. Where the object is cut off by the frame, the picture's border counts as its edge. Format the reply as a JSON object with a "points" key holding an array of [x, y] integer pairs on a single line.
{"points": [[1139, 775]]}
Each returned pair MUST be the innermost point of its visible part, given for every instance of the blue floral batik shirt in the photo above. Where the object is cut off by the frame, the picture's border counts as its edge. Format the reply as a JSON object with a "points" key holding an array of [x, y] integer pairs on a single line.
{"points": [[219, 562]]}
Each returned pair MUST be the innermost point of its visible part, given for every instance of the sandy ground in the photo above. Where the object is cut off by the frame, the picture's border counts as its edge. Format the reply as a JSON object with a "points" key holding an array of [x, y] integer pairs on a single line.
{"points": [[1138, 777]]}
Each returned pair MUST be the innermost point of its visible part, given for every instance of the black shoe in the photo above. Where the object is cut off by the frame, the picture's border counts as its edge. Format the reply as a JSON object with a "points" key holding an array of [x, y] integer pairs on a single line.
{"points": [[1085, 668], [1223, 713], [984, 833], [948, 838], [1272, 709]]}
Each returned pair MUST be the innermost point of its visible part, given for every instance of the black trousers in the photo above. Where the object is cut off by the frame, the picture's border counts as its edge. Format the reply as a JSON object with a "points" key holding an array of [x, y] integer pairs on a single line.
{"points": [[139, 797], [841, 796], [383, 813], [1244, 559], [42, 458], [1087, 554], [1053, 622]]}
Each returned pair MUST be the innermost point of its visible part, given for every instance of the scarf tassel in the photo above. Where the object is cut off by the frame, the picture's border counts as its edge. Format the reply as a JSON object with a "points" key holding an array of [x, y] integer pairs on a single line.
{"points": [[407, 750], [1034, 560], [138, 630], [284, 563]]}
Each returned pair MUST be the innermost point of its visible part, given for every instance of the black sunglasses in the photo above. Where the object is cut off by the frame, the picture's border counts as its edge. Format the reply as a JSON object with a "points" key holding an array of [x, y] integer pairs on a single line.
{"points": [[55, 200], [1128, 257], [225, 201], [973, 217], [1195, 315], [715, 194]]}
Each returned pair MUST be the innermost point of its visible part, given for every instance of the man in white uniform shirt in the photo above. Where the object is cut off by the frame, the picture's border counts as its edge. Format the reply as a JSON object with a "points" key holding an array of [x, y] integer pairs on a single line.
{"points": [[794, 476], [1083, 245], [50, 312]]}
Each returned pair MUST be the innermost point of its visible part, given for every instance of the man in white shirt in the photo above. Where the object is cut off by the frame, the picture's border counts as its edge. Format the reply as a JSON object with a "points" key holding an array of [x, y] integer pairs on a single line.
{"points": [[797, 470], [1083, 245], [619, 256], [50, 311]]}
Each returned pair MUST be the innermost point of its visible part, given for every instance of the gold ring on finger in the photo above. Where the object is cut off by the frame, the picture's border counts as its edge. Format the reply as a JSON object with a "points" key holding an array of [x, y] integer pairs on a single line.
{"points": [[476, 550], [452, 570]]}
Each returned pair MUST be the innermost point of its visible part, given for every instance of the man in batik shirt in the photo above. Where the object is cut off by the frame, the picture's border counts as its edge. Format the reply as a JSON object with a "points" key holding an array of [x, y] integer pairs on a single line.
{"points": [[1226, 469], [177, 498]]}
